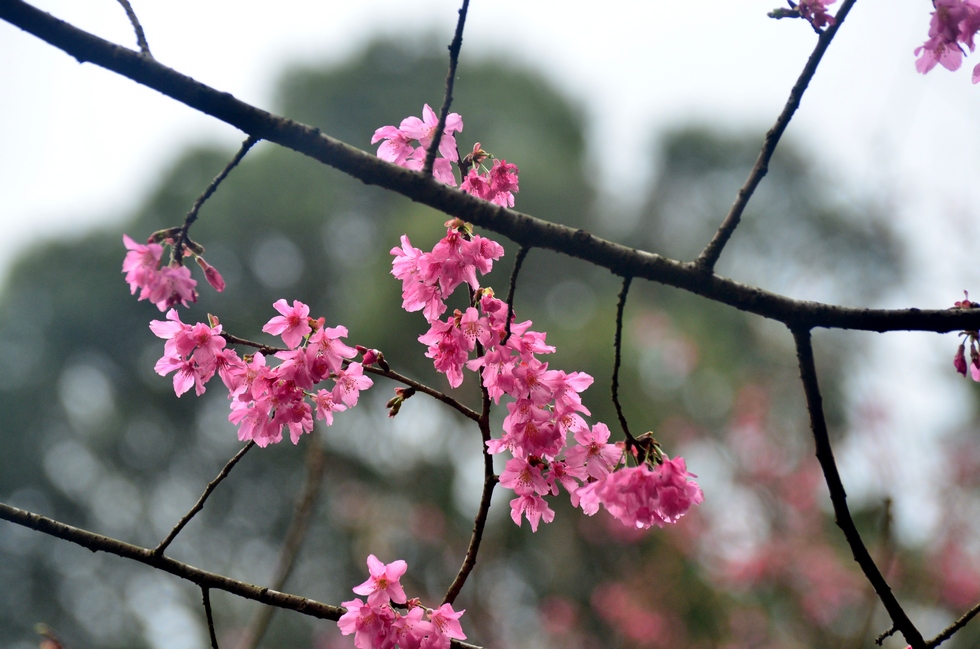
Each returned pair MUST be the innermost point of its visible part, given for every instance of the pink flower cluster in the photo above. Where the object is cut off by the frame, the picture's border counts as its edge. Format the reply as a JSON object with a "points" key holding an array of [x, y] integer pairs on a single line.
{"points": [[954, 24], [377, 625], [815, 11], [397, 146], [971, 338], [497, 184], [546, 405], [267, 399], [166, 286]]}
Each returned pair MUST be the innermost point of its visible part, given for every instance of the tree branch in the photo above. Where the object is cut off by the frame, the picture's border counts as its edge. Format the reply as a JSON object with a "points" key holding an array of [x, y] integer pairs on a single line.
{"points": [[192, 214], [454, 47], [521, 228], [825, 455], [618, 346], [199, 505], [202, 578], [518, 262], [137, 27], [709, 256], [490, 480], [948, 632], [206, 596], [464, 410]]}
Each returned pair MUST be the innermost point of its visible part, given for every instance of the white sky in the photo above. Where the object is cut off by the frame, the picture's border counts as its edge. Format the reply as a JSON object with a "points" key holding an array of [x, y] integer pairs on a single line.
{"points": [[80, 146]]}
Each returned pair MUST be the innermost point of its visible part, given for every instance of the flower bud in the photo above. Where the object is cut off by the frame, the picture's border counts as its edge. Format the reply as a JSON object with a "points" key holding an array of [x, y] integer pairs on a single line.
{"points": [[211, 274]]}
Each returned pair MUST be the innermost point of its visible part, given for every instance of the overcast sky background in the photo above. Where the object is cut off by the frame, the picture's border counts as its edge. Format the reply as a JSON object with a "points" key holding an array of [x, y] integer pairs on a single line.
{"points": [[80, 146]]}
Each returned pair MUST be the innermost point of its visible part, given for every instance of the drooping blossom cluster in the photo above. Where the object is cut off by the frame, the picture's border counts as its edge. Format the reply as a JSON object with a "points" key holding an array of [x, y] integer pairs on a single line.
{"points": [[971, 339], [815, 11], [267, 399], [169, 285], [376, 624], [954, 24], [496, 184], [545, 405]]}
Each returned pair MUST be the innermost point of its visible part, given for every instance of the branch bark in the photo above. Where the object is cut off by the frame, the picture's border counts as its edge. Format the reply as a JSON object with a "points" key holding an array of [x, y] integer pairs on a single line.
{"points": [[825, 455], [521, 228]]}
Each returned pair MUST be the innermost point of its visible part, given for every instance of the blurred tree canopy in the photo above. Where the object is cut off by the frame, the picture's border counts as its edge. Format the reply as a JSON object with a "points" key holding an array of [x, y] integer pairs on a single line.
{"points": [[94, 437]]}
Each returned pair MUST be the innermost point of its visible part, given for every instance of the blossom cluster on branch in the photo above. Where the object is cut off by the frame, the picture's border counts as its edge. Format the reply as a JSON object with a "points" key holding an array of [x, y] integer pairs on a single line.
{"points": [[376, 624]]}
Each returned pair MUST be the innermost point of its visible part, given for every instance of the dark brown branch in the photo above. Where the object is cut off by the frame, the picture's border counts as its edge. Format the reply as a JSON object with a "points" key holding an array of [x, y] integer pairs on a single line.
{"points": [[618, 346], [199, 505], [137, 27], [884, 636], [265, 349], [316, 462], [206, 596], [520, 228], [466, 411], [948, 632], [202, 578], [192, 214], [709, 256], [490, 480], [518, 262], [454, 47], [825, 455]]}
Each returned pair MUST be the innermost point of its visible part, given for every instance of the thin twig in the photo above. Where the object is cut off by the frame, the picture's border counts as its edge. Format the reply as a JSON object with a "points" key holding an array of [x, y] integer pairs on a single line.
{"points": [[884, 636], [265, 349], [316, 462], [618, 346], [709, 256], [454, 47], [137, 27], [825, 455], [887, 561], [206, 596], [521, 228], [206, 194], [948, 632], [518, 262], [490, 480], [466, 411], [199, 505]]}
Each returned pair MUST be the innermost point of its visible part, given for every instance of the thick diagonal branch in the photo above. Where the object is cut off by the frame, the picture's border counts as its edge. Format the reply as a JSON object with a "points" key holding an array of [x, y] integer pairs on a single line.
{"points": [[825, 455], [709, 256], [521, 228]]}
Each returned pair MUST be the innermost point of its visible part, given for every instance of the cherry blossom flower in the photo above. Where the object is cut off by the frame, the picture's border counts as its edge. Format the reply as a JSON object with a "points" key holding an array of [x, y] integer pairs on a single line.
{"points": [[383, 584], [815, 11], [293, 325]]}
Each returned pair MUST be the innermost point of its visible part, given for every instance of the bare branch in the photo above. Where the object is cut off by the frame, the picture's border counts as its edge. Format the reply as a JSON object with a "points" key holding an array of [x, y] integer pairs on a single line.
{"points": [[466, 411], [521, 228], [430, 154], [618, 346], [192, 215], [202, 578], [490, 480], [137, 27], [948, 632], [518, 262], [825, 455], [199, 505], [709, 256], [206, 596]]}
